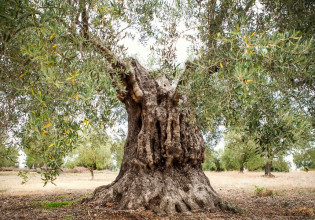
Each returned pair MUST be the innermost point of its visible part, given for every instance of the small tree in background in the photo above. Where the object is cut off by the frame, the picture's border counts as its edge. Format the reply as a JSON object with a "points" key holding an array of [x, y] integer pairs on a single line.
{"points": [[305, 159], [255, 163], [213, 160], [209, 163], [280, 165], [239, 149], [8, 156], [117, 153], [33, 159], [92, 152]]}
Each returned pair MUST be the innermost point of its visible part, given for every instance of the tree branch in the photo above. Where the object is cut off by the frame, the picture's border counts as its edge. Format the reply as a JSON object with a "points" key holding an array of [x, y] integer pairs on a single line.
{"points": [[183, 78]]}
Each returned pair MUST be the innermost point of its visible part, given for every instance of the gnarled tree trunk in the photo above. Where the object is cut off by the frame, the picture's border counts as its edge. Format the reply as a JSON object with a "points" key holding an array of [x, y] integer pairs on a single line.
{"points": [[163, 154]]}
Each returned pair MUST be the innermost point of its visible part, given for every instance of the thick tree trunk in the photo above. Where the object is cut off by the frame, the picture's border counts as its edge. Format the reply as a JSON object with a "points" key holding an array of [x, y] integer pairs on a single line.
{"points": [[161, 168], [268, 169], [218, 166]]}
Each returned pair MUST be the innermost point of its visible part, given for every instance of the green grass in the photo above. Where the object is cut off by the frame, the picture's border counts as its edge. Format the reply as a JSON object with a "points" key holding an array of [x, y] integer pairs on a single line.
{"points": [[53, 205], [62, 196], [2, 190]]}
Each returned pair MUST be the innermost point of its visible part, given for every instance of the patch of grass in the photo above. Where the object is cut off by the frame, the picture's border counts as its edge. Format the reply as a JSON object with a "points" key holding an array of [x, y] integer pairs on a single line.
{"points": [[62, 196], [258, 190], [69, 217], [86, 195], [3, 190], [53, 205], [262, 191]]}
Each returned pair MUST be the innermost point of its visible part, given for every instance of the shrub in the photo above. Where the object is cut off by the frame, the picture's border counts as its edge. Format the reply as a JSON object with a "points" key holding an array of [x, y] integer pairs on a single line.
{"points": [[258, 190], [262, 191]]}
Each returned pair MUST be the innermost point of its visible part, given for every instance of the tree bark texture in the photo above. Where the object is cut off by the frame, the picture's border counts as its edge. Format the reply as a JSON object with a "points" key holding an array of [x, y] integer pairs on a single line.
{"points": [[163, 154], [268, 169]]}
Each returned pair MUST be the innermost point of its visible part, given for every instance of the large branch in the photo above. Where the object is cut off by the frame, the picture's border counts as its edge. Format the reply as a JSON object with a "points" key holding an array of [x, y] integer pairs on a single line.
{"points": [[118, 68], [115, 62]]}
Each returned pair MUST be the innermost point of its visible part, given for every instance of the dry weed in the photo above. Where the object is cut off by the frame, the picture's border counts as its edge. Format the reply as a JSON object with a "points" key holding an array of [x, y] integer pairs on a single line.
{"points": [[302, 211]]}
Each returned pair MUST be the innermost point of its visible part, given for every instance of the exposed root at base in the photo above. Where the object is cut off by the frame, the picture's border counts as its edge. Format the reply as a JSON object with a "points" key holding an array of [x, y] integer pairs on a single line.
{"points": [[164, 194]]}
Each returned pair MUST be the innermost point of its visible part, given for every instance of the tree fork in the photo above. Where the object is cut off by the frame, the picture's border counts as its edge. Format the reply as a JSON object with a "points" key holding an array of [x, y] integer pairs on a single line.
{"points": [[163, 154]]}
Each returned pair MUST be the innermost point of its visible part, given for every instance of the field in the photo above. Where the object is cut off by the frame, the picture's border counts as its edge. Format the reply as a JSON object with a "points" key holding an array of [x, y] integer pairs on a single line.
{"points": [[287, 196]]}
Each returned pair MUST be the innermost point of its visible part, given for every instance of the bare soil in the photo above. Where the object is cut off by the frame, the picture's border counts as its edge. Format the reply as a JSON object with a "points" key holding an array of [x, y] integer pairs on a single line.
{"points": [[287, 196]]}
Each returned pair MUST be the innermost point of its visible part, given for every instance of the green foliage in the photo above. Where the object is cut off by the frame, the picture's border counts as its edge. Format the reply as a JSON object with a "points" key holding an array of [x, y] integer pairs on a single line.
{"points": [[213, 160], [258, 190], [247, 96], [51, 78], [54, 205], [209, 161], [93, 151], [255, 163], [8, 155], [259, 78], [280, 165], [239, 149], [262, 191], [117, 153], [230, 159], [305, 158], [33, 160], [24, 175], [253, 69]]}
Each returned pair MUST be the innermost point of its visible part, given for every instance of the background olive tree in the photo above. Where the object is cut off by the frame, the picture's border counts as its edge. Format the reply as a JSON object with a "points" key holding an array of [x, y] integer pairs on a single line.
{"points": [[96, 151]]}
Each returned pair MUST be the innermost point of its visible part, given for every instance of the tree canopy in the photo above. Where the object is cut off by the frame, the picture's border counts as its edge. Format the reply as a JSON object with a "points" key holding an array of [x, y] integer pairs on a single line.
{"points": [[252, 66]]}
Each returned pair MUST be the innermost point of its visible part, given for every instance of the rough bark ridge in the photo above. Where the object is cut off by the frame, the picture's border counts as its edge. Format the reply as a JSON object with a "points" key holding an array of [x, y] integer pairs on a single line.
{"points": [[161, 168]]}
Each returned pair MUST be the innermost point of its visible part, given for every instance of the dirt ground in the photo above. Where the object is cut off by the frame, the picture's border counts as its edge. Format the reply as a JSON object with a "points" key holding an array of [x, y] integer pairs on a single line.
{"points": [[287, 196]]}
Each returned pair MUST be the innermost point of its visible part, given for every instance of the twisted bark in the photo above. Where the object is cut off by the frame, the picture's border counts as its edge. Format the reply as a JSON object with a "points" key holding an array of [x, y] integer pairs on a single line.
{"points": [[163, 154]]}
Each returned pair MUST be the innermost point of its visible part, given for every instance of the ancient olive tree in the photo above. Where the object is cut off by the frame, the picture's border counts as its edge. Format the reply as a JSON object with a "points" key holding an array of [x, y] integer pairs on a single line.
{"points": [[64, 66], [63, 63]]}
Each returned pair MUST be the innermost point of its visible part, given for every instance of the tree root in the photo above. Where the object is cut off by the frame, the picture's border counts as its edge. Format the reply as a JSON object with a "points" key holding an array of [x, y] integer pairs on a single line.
{"points": [[163, 193]]}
